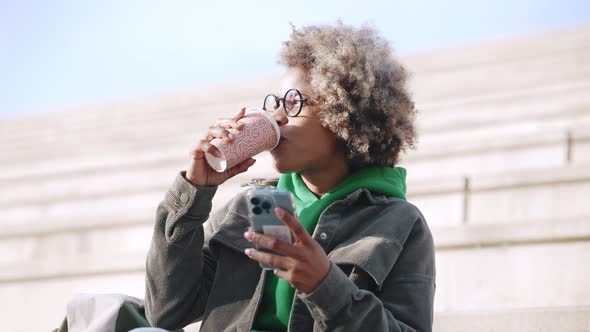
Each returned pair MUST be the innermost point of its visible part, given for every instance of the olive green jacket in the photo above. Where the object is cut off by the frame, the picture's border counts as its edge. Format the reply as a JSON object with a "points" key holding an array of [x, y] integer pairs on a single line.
{"points": [[382, 276]]}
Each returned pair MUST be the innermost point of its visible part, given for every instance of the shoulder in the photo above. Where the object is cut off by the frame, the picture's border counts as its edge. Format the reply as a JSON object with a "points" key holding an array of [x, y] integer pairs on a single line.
{"points": [[364, 214], [409, 215], [407, 225], [392, 217], [377, 232]]}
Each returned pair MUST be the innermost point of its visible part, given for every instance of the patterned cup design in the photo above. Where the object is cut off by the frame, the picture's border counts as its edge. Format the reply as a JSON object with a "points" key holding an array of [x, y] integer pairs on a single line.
{"points": [[259, 133]]}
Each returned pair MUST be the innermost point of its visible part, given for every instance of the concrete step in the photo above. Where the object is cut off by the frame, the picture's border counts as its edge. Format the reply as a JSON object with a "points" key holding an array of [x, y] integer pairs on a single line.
{"points": [[527, 268], [124, 113], [543, 115], [109, 194], [483, 268], [537, 274], [520, 196], [580, 147], [47, 298], [55, 260], [569, 101], [148, 116], [533, 195], [106, 193], [529, 195], [106, 209], [129, 148], [500, 135], [136, 128], [518, 73], [544, 319], [471, 157], [503, 50], [433, 71], [510, 148], [90, 249], [547, 145], [541, 106]]}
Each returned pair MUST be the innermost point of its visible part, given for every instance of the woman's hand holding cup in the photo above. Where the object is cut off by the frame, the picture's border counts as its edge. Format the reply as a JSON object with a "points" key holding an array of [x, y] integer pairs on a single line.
{"points": [[199, 172]]}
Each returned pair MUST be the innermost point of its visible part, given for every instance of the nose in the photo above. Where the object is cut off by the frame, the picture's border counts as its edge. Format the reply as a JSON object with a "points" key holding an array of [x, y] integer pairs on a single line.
{"points": [[280, 117]]}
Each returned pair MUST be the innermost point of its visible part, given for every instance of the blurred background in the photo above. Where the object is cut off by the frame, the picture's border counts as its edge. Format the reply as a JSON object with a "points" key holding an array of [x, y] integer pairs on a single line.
{"points": [[101, 101]]}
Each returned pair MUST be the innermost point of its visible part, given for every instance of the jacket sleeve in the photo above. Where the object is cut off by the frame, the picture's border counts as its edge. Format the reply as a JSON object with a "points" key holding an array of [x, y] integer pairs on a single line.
{"points": [[403, 303], [179, 267]]}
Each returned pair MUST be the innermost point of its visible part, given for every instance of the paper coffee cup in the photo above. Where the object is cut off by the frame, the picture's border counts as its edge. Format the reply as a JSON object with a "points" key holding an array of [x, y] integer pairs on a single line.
{"points": [[259, 133]]}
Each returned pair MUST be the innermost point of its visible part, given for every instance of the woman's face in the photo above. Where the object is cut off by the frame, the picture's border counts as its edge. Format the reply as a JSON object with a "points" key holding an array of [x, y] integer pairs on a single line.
{"points": [[305, 145]]}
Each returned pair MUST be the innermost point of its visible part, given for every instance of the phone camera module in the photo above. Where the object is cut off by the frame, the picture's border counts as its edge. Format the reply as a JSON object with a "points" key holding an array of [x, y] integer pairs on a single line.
{"points": [[257, 210]]}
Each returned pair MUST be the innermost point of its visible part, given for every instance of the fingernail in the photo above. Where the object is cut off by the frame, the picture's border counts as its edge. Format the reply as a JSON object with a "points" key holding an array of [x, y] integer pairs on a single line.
{"points": [[248, 252], [279, 212], [231, 136], [249, 236]]}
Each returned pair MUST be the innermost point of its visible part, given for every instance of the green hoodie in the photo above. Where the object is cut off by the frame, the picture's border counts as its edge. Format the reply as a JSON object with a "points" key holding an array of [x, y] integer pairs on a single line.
{"points": [[277, 297]]}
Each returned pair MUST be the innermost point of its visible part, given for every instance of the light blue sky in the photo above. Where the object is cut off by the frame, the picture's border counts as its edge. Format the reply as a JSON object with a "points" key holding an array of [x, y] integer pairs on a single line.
{"points": [[61, 54]]}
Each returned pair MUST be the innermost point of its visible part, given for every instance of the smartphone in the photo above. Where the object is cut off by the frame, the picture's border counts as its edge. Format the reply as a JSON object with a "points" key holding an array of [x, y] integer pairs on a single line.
{"points": [[261, 210]]}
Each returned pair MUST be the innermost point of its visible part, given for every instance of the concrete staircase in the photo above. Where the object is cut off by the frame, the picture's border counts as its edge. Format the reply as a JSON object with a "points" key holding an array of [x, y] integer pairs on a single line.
{"points": [[501, 173]]}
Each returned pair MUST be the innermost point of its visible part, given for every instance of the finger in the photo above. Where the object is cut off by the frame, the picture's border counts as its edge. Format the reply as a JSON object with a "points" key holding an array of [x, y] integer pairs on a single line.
{"points": [[229, 123], [280, 262], [197, 152], [285, 275], [272, 243], [210, 148], [294, 225], [239, 114], [208, 137], [221, 122], [219, 132], [234, 125]]}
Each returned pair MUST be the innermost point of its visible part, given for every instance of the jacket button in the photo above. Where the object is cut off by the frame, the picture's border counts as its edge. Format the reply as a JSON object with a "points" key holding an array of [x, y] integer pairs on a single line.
{"points": [[183, 198], [323, 236]]}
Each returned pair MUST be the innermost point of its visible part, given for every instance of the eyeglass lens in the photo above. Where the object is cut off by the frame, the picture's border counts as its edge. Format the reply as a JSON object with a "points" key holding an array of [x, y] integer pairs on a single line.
{"points": [[292, 102]]}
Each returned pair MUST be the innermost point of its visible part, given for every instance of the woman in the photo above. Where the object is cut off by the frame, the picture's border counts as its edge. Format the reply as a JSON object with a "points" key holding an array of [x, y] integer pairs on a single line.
{"points": [[363, 257]]}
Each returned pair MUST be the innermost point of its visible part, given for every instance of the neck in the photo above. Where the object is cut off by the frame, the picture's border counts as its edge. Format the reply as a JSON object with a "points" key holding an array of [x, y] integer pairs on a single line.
{"points": [[321, 180]]}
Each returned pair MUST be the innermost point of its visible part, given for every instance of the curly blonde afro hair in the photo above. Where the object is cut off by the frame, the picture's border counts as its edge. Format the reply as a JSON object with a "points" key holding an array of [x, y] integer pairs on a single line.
{"points": [[361, 90]]}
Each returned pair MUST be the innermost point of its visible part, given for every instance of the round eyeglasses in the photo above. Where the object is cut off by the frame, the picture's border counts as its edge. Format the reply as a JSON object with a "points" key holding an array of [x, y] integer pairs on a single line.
{"points": [[292, 102]]}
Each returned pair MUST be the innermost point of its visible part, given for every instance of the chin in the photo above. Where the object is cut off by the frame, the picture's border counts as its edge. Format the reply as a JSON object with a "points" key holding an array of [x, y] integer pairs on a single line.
{"points": [[282, 166]]}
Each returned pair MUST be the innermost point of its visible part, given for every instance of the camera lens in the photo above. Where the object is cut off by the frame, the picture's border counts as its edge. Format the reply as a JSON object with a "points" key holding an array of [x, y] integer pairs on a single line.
{"points": [[254, 200], [266, 205], [257, 210]]}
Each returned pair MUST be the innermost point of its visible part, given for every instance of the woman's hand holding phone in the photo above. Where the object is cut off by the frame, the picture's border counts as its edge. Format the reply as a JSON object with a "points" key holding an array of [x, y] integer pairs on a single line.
{"points": [[304, 264], [199, 172]]}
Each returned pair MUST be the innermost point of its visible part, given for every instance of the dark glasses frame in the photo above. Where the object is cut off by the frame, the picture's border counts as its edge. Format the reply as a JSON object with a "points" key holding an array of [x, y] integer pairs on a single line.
{"points": [[288, 110]]}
